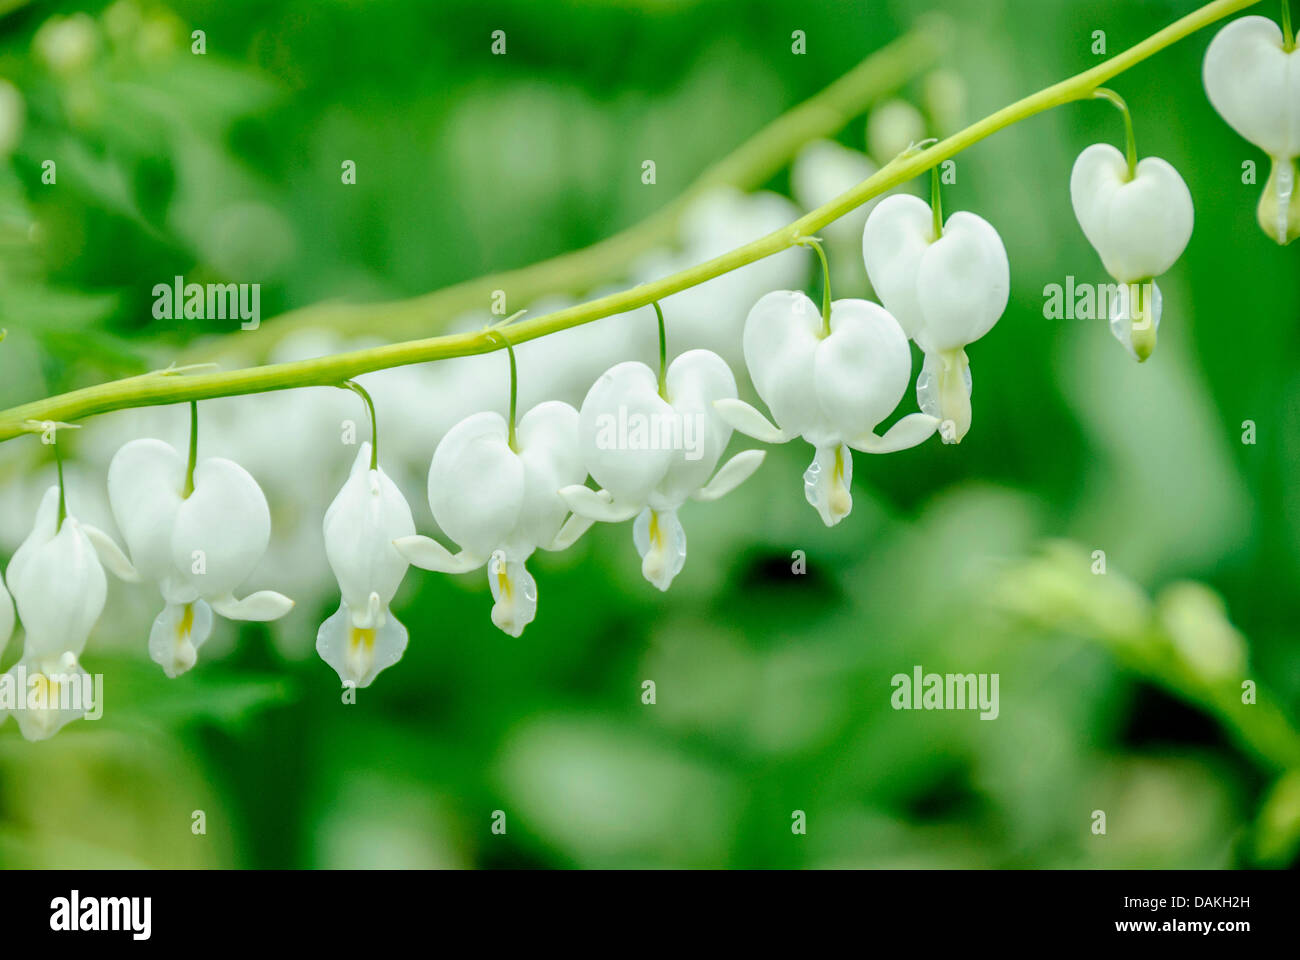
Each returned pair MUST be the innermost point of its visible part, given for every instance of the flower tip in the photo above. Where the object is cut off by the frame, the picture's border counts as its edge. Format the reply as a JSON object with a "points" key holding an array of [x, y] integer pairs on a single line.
{"points": [[1144, 344]]}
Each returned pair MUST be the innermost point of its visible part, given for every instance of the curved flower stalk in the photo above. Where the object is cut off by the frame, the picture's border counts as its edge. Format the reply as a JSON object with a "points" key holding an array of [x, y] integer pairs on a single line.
{"points": [[197, 531], [363, 637], [652, 444], [1252, 77], [1138, 217], [830, 380], [947, 284], [59, 588]]}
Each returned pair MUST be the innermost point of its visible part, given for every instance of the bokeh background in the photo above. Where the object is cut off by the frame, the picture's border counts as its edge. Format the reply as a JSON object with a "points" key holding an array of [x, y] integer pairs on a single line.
{"points": [[1118, 692]]}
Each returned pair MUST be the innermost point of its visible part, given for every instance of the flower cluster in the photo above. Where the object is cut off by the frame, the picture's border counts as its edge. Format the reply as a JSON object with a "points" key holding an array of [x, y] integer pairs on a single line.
{"points": [[641, 442]]}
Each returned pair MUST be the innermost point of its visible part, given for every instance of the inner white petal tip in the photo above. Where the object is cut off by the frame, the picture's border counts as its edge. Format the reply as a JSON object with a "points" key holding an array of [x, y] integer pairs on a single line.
{"points": [[827, 483]]}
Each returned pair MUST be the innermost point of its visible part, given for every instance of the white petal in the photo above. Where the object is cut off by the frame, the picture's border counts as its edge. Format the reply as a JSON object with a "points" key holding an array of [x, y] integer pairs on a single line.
{"points": [[222, 529], [782, 332], [111, 555], [661, 542], [42, 688], [358, 655], [145, 482], [911, 430], [943, 391], [597, 505], [1138, 227], [44, 528], [260, 606], [897, 235], [964, 281], [860, 371], [1134, 323], [177, 633], [749, 421], [476, 483], [731, 475], [827, 482], [1255, 84], [58, 585], [362, 522], [619, 425], [570, 533], [550, 452], [514, 592], [695, 381], [428, 554]]}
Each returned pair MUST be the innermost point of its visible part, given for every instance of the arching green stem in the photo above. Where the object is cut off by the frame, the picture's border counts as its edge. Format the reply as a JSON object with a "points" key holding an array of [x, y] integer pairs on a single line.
{"points": [[663, 353], [156, 390], [364, 394], [1130, 141], [826, 282], [194, 449], [1288, 35]]}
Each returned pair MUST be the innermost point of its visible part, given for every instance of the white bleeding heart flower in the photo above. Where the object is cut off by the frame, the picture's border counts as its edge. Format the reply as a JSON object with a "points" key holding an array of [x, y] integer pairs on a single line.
{"points": [[198, 546], [363, 637], [59, 588], [831, 388], [500, 501], [1253, 81], [945, 291], [1139, 225], [651, 451]]}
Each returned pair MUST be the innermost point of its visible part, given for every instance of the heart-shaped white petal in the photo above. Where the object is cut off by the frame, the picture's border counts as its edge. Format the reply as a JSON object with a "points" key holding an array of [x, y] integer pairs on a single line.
{"points": [[146, 479], [1255, 84], [860, 370], [695, 380], [621, 424], [782, 333], [547, 438], [946, 292], [221, 530], [1138, 227], [895, 239], [830, 388], [476, 484]]}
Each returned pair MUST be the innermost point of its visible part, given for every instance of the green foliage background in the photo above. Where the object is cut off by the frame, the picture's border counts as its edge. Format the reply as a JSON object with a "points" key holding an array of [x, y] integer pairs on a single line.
{"points": [[773, 689]]}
